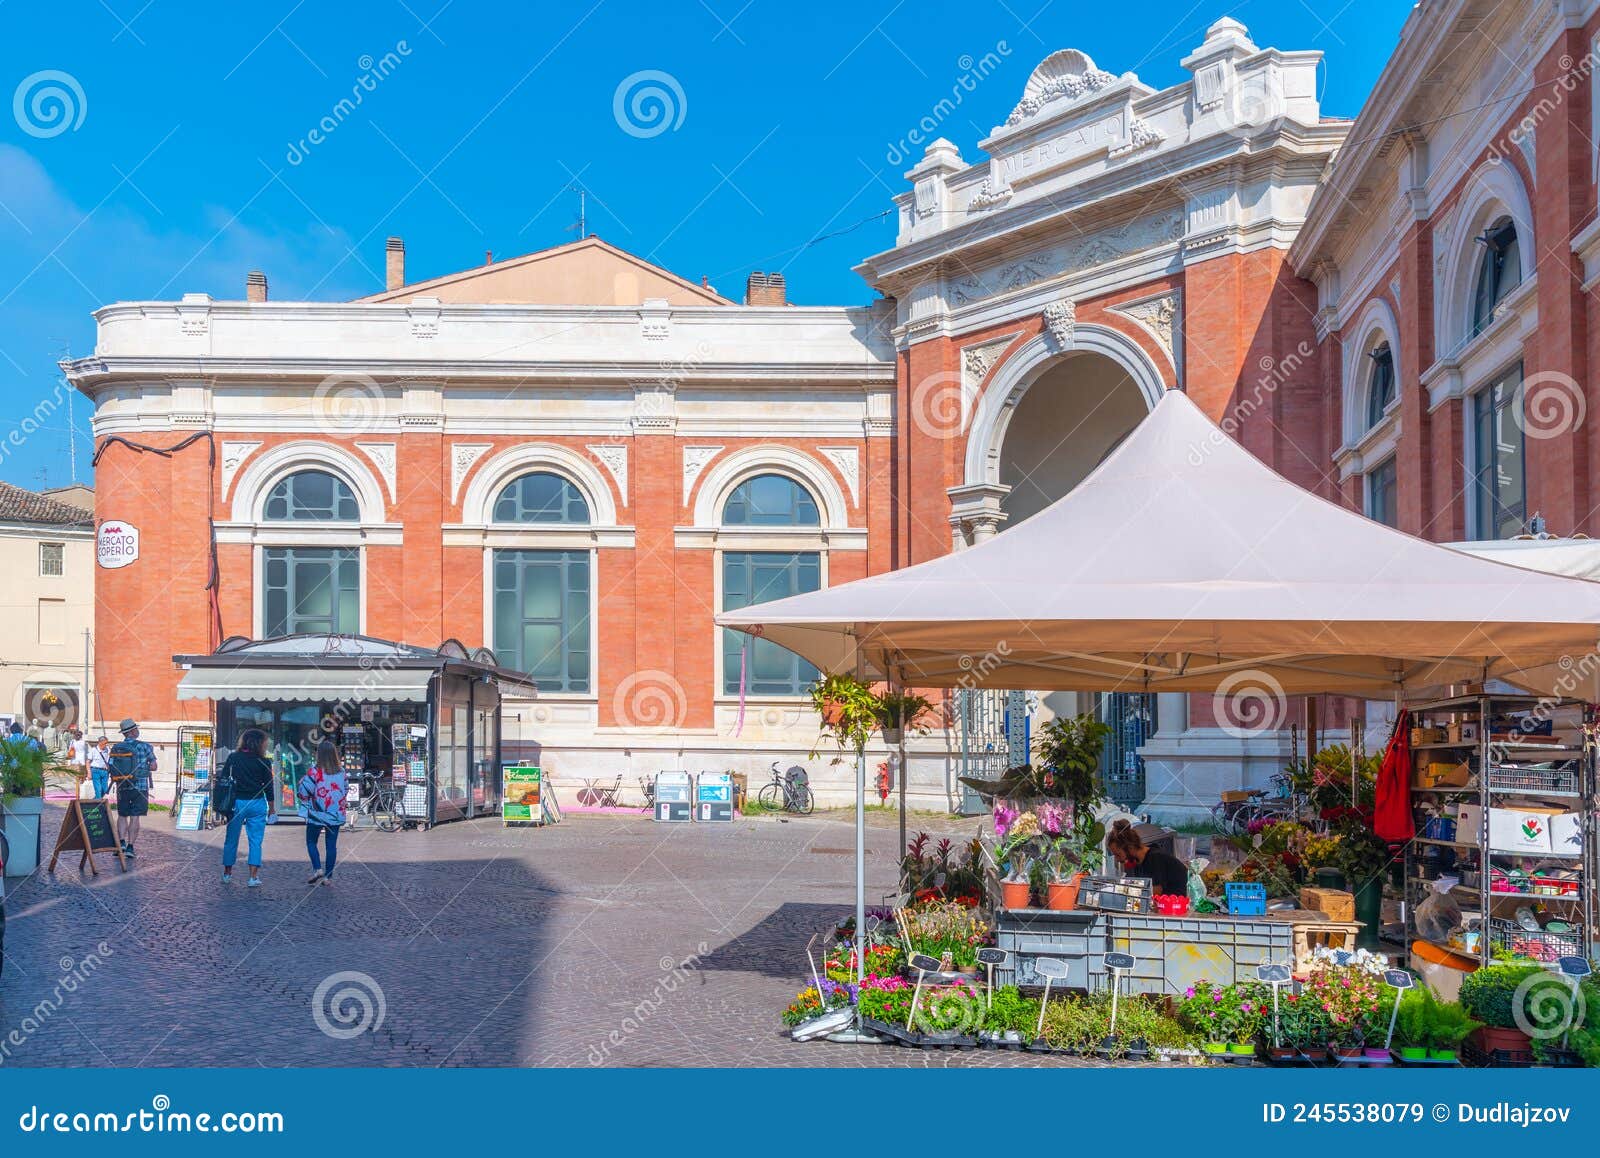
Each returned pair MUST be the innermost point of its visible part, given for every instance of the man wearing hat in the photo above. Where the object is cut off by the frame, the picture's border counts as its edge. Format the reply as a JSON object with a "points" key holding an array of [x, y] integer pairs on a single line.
{"points": [[133, 770]]}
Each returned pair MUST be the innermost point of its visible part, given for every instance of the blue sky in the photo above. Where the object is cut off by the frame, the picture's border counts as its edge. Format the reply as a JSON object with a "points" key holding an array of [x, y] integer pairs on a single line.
{"points": [[190, 161]]}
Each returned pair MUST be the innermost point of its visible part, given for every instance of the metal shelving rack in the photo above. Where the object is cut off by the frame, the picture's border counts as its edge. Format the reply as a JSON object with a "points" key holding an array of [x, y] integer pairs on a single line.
{"points": [[1505, 772]]}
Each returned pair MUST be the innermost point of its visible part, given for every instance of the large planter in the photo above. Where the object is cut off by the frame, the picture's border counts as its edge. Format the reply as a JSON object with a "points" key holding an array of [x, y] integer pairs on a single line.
{"points": [[1369, 911], [1062, 896], [20, 816], [1491, 1038], [1015, 894]]}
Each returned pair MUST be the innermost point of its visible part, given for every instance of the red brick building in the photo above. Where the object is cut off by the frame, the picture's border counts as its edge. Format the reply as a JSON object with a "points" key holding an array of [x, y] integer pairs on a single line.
{"points": [[576, 458]]}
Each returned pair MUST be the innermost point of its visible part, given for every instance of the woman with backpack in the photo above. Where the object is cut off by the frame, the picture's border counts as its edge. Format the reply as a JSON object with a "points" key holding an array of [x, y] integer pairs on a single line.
{"points": [[321, 793], [248, 773]]}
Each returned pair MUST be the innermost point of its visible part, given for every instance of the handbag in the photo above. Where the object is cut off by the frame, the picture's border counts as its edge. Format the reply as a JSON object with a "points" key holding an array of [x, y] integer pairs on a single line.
{"points": [[223, 794]]}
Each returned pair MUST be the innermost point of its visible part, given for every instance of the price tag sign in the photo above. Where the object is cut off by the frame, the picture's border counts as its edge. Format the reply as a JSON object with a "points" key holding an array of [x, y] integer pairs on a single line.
{"points": [[925, 963], [1050, 967], [1119, 960], [1573, 966], [1273, 974], [1398, 979], [992, 956]]}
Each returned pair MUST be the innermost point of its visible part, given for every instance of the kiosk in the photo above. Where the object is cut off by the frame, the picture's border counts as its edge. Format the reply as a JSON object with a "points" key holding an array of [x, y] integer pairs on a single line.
{"points": [[426, 720]]}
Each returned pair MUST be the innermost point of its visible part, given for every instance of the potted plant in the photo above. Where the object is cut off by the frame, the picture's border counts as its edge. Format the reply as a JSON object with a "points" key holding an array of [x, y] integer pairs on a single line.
{"points": [[1017, 854], [1362, 856], [1413, 1023], [849, 709], [1448, 1026], [1204, 1009], [902, 712], [1489, 996], [1010, 1018], [23, 764], [1073, 854], [1068, 750], [1349, 997]]}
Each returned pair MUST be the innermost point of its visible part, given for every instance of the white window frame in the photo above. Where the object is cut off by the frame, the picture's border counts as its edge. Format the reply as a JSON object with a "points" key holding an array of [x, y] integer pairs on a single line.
{"points": [[61, 556]]}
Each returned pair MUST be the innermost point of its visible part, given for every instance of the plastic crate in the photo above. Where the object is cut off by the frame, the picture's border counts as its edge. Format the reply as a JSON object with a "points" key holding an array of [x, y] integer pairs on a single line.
{"points": [[1076, 937], [1539, 946], [1172, 953], [1117, 895], [1535, 778], [1246, 899], [1439, 828]]}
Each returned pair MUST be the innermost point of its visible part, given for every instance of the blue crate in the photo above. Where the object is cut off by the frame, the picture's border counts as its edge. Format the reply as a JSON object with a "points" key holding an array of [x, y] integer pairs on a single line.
{"points": [[1439, 828], [1246, 899]]}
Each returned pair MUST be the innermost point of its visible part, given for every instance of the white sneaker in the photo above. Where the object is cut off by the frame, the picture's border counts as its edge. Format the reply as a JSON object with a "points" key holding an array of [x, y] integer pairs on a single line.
{"points": [[253, 883], [227, 878]]}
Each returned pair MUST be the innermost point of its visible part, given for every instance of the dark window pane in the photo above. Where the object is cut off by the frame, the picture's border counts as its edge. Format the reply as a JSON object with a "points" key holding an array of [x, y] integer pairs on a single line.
{"points": [[311, 589], [541, 498], [541, 616], [770, 500], [1499, 480], [311, 496], [770, 670]]}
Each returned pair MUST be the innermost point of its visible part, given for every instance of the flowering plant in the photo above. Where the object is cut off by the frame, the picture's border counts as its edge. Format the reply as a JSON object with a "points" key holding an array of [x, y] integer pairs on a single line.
{"points": [[1350, 997], [940, 927], [813, 1001], [1226, 1012], [841, 963]]}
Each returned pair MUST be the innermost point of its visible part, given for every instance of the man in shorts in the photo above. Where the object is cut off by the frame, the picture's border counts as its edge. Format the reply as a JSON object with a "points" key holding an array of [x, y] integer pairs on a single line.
{"points": [[133, 770]]}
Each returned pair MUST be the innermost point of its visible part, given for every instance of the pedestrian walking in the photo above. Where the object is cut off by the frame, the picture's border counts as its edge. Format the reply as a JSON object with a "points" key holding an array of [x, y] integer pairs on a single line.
{"points": [[249, 773], [321, 793], [78, 757], [100, 767], [133, 771]]}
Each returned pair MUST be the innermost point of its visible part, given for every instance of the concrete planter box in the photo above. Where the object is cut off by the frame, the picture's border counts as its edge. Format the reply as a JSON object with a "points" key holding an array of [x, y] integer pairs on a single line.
{"points": [[20, 816]]}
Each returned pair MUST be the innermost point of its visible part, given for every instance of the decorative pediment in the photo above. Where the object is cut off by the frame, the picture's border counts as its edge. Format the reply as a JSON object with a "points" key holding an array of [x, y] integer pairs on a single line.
{"points": [[1067, 75], [1159, 315]]}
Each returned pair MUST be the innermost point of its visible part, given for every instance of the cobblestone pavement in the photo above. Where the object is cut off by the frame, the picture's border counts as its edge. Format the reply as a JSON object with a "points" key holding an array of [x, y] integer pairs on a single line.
{"points": [[606, 940]]}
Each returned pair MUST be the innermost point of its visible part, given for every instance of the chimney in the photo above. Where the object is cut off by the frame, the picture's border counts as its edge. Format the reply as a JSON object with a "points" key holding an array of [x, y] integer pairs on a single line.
{"points": [[255, 286], [395, 265], [765, 289]]}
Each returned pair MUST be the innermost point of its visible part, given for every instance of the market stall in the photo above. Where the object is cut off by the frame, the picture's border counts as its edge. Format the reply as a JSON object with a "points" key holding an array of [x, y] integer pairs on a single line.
{"points": [[424, 723], [1182, 563]]}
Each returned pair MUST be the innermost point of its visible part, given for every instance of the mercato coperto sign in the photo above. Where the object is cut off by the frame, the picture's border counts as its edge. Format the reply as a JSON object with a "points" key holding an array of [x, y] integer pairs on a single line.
{"points": [[116, 544]]}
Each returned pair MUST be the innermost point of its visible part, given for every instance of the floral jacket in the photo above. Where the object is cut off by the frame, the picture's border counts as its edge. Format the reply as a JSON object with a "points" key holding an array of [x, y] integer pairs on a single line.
{"points": [[322, 796]]}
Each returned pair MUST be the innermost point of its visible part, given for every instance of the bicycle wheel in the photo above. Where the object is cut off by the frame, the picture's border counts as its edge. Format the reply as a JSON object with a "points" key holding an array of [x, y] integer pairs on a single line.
{"points": [[388, 818], [770, 796], [803, 801]]}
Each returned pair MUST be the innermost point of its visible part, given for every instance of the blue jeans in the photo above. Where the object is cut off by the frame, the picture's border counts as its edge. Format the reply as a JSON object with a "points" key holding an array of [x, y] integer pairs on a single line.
{"points": [[102, 781], [250, 815], [331, 833]]}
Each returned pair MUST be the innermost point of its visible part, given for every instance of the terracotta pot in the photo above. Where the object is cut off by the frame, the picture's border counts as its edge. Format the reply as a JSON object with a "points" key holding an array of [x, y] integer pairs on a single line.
{"points": [[1314, 1054], [1492, 1037], [1063, 895], [832, 713], [1014, 894], [1346, 1051]]}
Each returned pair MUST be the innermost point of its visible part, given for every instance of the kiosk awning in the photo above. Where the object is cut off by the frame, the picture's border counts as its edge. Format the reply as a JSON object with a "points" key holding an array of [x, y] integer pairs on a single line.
{"points": [[305, 683]]}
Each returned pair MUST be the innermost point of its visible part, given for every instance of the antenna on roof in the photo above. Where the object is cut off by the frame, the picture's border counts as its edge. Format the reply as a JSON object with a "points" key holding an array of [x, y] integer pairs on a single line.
{"points": [[582, 224]]}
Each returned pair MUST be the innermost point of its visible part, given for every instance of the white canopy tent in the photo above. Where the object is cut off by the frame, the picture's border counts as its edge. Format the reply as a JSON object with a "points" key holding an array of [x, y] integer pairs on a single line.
{"points": [[1182, 560], [1183, 563]]}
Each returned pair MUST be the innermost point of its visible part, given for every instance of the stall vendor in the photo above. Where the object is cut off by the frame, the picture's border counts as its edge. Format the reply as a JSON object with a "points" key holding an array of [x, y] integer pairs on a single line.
{"points": [[1168, 874]]}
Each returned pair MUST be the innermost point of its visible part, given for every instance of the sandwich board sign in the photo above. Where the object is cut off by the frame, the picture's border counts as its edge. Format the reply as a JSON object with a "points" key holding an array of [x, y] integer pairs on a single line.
{"points": [[87, 828]]}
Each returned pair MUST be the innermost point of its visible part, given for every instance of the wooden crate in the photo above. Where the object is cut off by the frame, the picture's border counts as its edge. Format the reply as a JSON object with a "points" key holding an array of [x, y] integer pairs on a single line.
{"points": [[1322, 934], [1335, 904]]}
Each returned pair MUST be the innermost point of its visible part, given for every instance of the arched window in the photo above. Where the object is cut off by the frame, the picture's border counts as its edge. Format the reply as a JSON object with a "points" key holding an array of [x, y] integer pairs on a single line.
{"points": [[312, 496], [770, 500], [541, 498], [748, 577], [311, 589], [1380, 384], [542, 597], [1499, 271]]}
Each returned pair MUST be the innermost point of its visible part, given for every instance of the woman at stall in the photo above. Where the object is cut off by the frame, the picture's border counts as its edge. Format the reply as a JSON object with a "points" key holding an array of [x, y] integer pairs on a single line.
{"points": [[1168, 875], [250, 773]]}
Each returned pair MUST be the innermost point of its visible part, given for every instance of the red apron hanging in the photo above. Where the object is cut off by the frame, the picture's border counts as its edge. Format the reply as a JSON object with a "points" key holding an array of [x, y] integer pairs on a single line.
{"points": [[1391, 812]]}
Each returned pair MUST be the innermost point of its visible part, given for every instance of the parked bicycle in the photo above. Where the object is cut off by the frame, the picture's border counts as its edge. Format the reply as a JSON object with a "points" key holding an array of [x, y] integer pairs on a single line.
{"points": [[1235, 813], [377, 802], [789, 790]]}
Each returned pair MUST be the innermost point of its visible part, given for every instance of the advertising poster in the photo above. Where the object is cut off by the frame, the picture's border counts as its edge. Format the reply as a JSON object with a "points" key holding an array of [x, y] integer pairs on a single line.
{"points": [[521, 795]]}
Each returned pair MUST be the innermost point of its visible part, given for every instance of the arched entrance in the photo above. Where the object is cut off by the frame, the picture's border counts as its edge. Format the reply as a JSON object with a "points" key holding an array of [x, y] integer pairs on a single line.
{"points": [[1053, 412]]}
